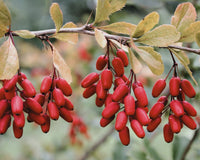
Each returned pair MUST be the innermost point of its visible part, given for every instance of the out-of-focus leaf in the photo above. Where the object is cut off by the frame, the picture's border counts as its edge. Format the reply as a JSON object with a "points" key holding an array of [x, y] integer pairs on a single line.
{"points": [[67, 37], [120, 27], [106, 7], [188, 35], [146, 24], [197, 38], [61, 66], [8, 59], [56, 15], [25, 34], [135, 63], [161, 36], [183, 60], [183, 16], [3, 30], [179, 145], [100, 38], [140, 155]]}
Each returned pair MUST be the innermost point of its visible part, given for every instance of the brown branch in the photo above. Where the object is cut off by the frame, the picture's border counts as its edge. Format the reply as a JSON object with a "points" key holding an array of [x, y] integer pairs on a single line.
{"points": [[97, 144]]}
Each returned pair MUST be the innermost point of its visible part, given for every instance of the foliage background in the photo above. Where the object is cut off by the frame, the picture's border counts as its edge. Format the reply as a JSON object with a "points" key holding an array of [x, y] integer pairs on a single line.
{"points": [[35, 62]]}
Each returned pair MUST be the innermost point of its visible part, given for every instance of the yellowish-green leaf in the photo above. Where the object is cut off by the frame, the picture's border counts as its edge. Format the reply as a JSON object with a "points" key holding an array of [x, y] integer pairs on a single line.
{"points": [[56, 15], [106, 7], [197, 38], [25, 34], [161, 36], [120, 27], [3, 30], [5, 18], [135, 63], [61, 66], [184, 15], [146, 24], [100, 38], [8, 59], [184, 61], [67, 37]]}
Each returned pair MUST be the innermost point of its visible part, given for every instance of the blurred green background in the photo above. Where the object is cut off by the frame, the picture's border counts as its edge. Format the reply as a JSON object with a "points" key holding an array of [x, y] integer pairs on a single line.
{"points": [[35, 62]]}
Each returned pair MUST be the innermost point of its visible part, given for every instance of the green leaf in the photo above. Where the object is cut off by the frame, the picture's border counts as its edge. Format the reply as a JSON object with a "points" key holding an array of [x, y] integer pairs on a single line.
{"points": [[197, 38], [106, 7], [120, 27], [188, 35], [8, 59], [161, 36], [67, 37], [183, 60], [56, 15], [100, 38], [24, 34], [135, 63], [61, 66], [183, 16], [146, 24]]}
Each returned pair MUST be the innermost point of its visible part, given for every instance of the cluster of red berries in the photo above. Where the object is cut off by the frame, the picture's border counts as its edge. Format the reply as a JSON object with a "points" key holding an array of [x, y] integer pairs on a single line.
{"points": [[180, 111], [18, 95], [121, 98], [77, 126]]}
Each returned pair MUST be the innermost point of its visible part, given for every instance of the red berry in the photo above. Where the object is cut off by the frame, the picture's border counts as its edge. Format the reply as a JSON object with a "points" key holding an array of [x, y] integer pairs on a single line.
{"points": [[90, 79], [189, 109], [124, 136], [64, 86], [137, 84], [105, 121], [108, 100], [175, 124], [3, 107], [188, 88], [189, 122], [158, 87], [106, 79], [121, 91], [99, 102], [168, 134], [137, 128], [101, 62], [156, 110], [101, 93], [129, 105], [10, 94], [18, 132], [21, 77], [163, 99], [142, 116], [118, 66], [53, 111], [37, 118], [10, 84], [153, 124], [58, 97], [110, 110], [68, 104], [89, 91], [17, 105], [121, 121], [174, 85], [40, 98], [19, 120], [46, 84], [2, 96], [118, 81], [33, 105], [46, 126], [28, 87], [5, 123], [141, 96], [177, 108], [122, 55], [65, 114]]}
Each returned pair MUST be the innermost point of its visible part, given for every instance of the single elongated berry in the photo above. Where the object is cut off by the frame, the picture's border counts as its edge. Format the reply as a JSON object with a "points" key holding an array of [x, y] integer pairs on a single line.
{"points": [[110, 110], [129, 105], [101, 62], [118, 81], [58, 97], [168, 134], [53, 111], [21, 77], [64, 86], [122, 55], [101, 93], [46, 126], [177, 108], [18, 132], [40, 98], [65, 114], [68, 104], [89, 91], [10, 94], [10, 84], [156, 110], [189, 109], [90, 79], [189, 122], [121, 91], [181, 95], [158, 87], [137, 128], [46, 84], [141, 96], [105, 121], [99, 102], [19, 120], [106, 79], [174, 124], [174, 85], [187, 88], [37, 118], [121, 121], [153, 124], [142, 116], [28, 87], [118, 66], [5, 123], [33, 105], [3, 107], [17, 105], [124, 136]]}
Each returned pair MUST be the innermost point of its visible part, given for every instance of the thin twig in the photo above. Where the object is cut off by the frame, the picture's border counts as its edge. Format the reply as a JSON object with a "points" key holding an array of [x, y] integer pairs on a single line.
{"points": [[97, 144]]}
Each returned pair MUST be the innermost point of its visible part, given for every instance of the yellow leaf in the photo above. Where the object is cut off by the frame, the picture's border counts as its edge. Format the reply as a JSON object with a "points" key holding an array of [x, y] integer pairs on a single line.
{"points": [[120, 27], [161, 36], [188, 35], [146, 24], [61, 66], [181, 57], [197, 38], [106, 7], [67, 37], [3, 30], [56, 15], [100, 38], [24, 34], [9, 62], [135, 63], [183, 16]]}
